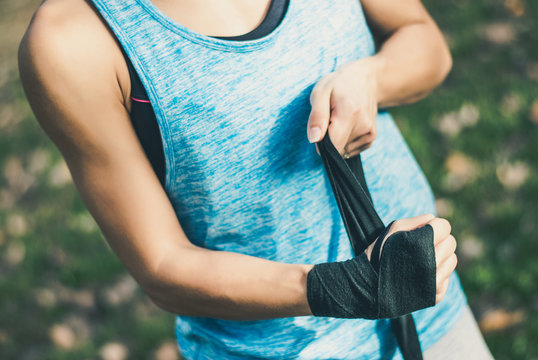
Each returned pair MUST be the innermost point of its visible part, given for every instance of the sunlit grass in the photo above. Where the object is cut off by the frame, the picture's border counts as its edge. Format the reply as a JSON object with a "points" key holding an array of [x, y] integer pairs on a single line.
{"points": [[476, 138]]}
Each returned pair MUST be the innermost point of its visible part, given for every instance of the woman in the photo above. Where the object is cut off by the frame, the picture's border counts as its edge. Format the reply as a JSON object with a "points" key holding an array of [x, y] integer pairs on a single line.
{"points": [[245, 209]]}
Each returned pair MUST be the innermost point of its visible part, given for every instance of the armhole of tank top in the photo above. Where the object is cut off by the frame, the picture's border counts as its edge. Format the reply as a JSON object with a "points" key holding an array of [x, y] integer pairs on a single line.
{"points": [[142, 115], [145, 122], [137, 89]]}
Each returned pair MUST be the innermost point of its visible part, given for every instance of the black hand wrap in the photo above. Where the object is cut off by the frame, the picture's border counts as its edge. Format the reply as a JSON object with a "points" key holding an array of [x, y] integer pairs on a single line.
{"points": [[400, 281], [403, 281]]}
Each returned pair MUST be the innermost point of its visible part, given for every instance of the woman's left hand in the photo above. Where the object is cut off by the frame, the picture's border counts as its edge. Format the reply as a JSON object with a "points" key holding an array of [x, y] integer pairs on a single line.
{"points": [[345, 102]]}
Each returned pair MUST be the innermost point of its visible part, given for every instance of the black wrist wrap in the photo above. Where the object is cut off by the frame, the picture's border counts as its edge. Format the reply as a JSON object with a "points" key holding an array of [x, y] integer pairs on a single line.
{"points": [[404, 282], [347, 289]]}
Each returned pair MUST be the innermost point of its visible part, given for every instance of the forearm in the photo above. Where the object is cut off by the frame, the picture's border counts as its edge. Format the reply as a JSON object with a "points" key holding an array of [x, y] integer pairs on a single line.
{"points": [[198, 282], [410, 64]]}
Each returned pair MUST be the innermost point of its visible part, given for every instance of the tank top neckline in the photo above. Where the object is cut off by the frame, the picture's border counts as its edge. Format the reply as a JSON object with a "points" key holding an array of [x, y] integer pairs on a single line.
{"points": [[217, 43]]}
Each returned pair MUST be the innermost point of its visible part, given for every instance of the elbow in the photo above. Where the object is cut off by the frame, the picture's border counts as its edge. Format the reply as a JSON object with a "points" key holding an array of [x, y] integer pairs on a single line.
{"points": [[446, 63], [158, 287], [171, 286], [161, 294], [159, 301], [435, 74], [443, 60], [178, 299]]}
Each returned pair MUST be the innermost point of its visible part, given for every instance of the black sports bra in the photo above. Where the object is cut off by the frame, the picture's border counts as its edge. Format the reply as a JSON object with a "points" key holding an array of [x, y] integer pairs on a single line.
{"points": [[142, 115]]}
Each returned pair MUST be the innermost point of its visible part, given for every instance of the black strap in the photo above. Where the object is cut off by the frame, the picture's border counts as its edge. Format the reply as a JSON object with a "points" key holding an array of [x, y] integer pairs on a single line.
{"points": [[363, 226]]}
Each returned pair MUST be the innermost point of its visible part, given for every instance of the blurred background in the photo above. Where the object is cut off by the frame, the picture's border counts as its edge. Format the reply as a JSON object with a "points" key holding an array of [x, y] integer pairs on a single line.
{"points": [[64, 294]]}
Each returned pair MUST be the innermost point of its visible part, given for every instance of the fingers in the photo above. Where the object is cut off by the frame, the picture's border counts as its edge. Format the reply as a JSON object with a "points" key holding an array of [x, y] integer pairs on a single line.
{"points": [[338, 131], [406, 224], [364, 139], [362, 143], [318, 120], [446, 261], [441, 229], [335, 111], [413, 222], [444, 249], [444, 270]]}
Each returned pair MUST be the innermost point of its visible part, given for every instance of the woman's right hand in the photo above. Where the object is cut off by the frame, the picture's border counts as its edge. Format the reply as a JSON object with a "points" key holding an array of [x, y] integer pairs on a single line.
{"points": [[444, 244]]}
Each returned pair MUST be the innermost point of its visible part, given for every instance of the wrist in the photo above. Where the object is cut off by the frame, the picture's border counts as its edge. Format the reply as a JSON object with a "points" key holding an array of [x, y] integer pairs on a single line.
{"points": [[370, 70]]}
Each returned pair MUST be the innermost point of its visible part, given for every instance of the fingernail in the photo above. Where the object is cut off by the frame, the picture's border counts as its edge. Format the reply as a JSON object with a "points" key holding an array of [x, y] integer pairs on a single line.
{"points": [[314, 134]]}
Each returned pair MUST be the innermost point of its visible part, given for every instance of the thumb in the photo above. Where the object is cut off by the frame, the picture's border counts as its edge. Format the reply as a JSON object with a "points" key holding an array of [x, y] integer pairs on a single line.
{"points": [[318, 120]]}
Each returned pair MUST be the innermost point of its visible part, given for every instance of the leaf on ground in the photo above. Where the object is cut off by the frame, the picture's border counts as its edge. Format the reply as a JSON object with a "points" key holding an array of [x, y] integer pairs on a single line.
{"points": [[444, 207], [500, 33], [16, 225], [14, 254], [7, 199], [114, 351], [62, 336], [468, 114], [167, 351], [449, 124], [510, 104], [461, 171], [513, 175], [515, 7], [453, 122], [500, 319], [83, 298], [59, 175], [120, 292], [18, 180], [38, 161], [470, 247], [9, 116], [80, 326]]}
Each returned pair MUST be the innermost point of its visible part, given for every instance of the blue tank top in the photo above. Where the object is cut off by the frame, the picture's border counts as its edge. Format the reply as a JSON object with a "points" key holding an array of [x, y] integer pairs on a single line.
{"points": [[242, 176]]}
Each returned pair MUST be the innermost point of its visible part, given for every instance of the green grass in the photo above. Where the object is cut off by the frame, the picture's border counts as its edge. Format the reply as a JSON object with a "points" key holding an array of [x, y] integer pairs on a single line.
{"points": [[55, 267]]}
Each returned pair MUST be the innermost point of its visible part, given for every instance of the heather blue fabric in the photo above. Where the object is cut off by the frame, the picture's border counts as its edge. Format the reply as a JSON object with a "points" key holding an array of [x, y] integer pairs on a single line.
{"points": [[242, 176]]}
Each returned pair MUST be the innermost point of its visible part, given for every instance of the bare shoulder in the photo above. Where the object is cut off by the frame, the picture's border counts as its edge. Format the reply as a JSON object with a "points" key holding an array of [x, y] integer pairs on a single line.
{"points": [[67, 42], [74, 76], [67, 65]]}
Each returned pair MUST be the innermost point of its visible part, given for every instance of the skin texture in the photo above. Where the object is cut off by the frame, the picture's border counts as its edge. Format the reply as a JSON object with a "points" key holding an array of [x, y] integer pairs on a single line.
{"points": [[77, 84]]}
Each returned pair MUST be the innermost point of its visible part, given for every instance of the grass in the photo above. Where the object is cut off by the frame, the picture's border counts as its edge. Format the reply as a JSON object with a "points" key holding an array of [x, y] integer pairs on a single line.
{"points": [[64, 295]]}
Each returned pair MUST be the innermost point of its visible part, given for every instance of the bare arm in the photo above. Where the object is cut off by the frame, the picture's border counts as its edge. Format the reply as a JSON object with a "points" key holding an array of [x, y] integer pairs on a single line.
{"points": [[72, 87], [414, 58]]}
